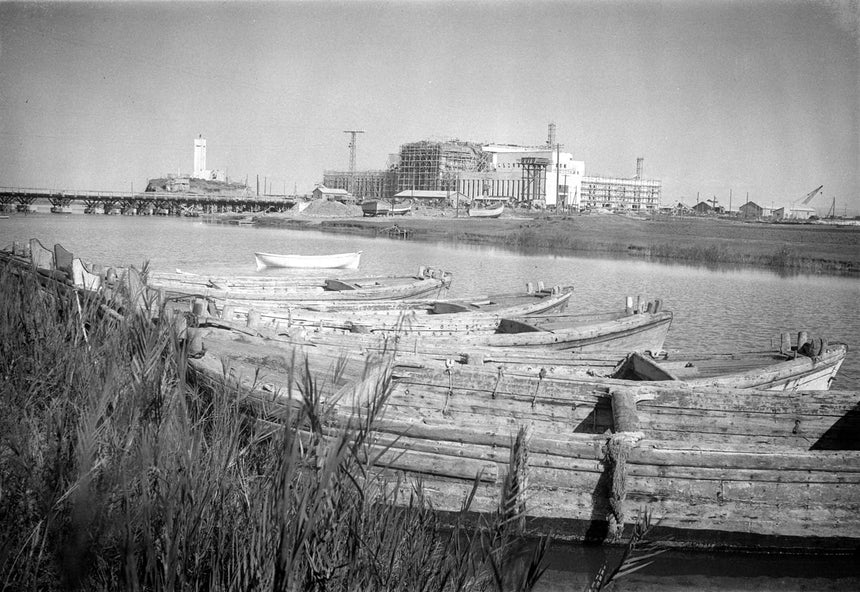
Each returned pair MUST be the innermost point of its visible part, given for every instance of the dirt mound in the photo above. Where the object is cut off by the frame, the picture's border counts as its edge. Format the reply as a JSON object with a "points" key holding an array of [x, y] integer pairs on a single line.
{"points": [[327, 209], [198, 186]]}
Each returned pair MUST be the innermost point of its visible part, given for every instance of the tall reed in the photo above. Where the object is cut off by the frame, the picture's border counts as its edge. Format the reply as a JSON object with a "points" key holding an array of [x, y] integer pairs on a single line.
{"points": [[116, 473]]}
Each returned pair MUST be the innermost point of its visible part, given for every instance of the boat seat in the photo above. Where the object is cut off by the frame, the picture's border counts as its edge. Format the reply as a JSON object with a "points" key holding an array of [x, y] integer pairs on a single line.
{"points": [[338, 286], [516, 326]]}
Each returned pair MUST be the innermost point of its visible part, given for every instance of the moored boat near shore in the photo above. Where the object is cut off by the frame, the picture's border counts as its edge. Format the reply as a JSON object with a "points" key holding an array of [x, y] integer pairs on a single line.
{"points": [[270, 291], [369, 315], [333, 261], [813, 365], [755, 469], [622, 331], [380, 207], [487, 212]]}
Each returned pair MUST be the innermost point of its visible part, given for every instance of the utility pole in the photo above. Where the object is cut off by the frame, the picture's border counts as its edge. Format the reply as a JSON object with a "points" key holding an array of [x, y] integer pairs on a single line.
{"points": [[352, 133]]}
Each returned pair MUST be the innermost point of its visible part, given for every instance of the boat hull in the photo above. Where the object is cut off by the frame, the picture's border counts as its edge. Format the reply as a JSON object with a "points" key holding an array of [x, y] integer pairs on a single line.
{"points": [[714, 467], [384, 208], [335, 261], [273, 292], [486, 212]]}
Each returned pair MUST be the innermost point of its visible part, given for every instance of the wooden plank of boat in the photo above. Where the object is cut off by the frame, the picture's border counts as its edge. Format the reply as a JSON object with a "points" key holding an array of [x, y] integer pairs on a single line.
{"points": [[490, 212], [332, 261]]}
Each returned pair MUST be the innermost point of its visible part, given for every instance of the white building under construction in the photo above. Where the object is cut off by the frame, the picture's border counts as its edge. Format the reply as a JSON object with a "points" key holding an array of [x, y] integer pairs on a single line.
{"points": [[534, 176]]}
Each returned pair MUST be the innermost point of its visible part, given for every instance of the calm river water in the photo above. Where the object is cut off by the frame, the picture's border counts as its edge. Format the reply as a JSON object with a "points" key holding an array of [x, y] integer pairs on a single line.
{"points": [[715, 310]]}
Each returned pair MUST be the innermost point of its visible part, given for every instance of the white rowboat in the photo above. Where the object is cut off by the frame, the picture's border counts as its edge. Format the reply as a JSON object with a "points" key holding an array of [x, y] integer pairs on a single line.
{"points": [[493, 212], [336, 261]]}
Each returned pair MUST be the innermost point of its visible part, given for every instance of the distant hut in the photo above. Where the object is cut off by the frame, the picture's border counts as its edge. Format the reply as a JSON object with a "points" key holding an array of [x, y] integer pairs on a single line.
{"points": [[703, 208], [327, 193], [751, 211]]}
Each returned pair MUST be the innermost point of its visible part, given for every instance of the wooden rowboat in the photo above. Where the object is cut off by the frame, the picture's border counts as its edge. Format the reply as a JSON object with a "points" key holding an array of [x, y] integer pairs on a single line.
{"points": [[716, 467], [392, 314], [272, 291], [620, 332], [490, 212], [381, 207], [813, 365], [334, 261]]}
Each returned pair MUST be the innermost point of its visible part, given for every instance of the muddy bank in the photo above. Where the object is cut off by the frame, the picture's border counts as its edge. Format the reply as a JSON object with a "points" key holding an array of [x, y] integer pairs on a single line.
{"points": [[807, 248]]}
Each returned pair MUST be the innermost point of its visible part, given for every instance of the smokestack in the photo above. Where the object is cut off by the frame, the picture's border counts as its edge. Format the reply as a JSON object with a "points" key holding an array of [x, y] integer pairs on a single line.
{"points": [[550, 140], [640, 167]]}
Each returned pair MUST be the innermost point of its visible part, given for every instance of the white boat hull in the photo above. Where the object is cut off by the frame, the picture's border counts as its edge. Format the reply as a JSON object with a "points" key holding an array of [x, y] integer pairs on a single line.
{"points": [[486, 212], [336, 261]]}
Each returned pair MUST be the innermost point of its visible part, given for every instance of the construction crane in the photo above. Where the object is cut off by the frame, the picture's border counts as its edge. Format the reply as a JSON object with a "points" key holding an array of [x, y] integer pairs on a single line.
{"points": [[352, 155], [808, 197]]}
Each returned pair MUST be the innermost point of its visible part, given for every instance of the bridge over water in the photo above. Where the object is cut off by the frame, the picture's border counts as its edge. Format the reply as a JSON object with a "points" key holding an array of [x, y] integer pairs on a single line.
{"points": [[142, 203]]}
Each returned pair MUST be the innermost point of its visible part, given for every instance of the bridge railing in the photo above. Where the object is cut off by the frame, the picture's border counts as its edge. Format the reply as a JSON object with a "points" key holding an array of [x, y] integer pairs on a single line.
{"points": [[168, 196]]}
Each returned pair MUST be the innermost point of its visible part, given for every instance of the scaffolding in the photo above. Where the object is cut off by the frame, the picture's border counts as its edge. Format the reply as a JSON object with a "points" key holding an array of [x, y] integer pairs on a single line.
{"points": [[534, 179], [435, 166], [366, 185]]}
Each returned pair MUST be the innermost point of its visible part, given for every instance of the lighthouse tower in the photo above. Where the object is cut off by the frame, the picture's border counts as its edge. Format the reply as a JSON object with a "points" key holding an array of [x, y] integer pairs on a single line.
{"points": [[200, 171]]}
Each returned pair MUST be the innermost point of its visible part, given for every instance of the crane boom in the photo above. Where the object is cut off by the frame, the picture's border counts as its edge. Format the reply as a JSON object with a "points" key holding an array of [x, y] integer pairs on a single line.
{"points": [[808, 197]]}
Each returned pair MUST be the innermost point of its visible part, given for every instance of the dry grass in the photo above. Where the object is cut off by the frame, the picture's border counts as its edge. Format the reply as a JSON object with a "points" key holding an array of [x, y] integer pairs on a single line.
{"points": [[116, 474]]}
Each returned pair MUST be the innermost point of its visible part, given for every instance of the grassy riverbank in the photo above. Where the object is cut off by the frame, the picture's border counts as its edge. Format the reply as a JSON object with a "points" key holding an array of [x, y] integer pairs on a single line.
{"points": [[116, 474], [805, 248]]}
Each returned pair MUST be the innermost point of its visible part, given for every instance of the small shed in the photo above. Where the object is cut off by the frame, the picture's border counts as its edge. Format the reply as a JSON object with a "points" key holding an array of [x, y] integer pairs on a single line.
{"points": [[330, 194], [703, 207], [751, 211]]}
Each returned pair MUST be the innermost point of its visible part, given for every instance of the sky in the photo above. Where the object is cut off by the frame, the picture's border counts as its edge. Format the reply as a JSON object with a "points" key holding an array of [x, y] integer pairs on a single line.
{"points": [[736, 100]]}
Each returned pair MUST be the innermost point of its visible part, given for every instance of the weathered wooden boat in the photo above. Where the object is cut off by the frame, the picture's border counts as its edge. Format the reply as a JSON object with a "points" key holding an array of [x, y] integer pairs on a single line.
{"points": [[360, 315], [60, 273], [487, 212], [333, 261], [715, 467], [380, 207], [376, 207], [263, 291], [621, 331], [813, 365]]}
